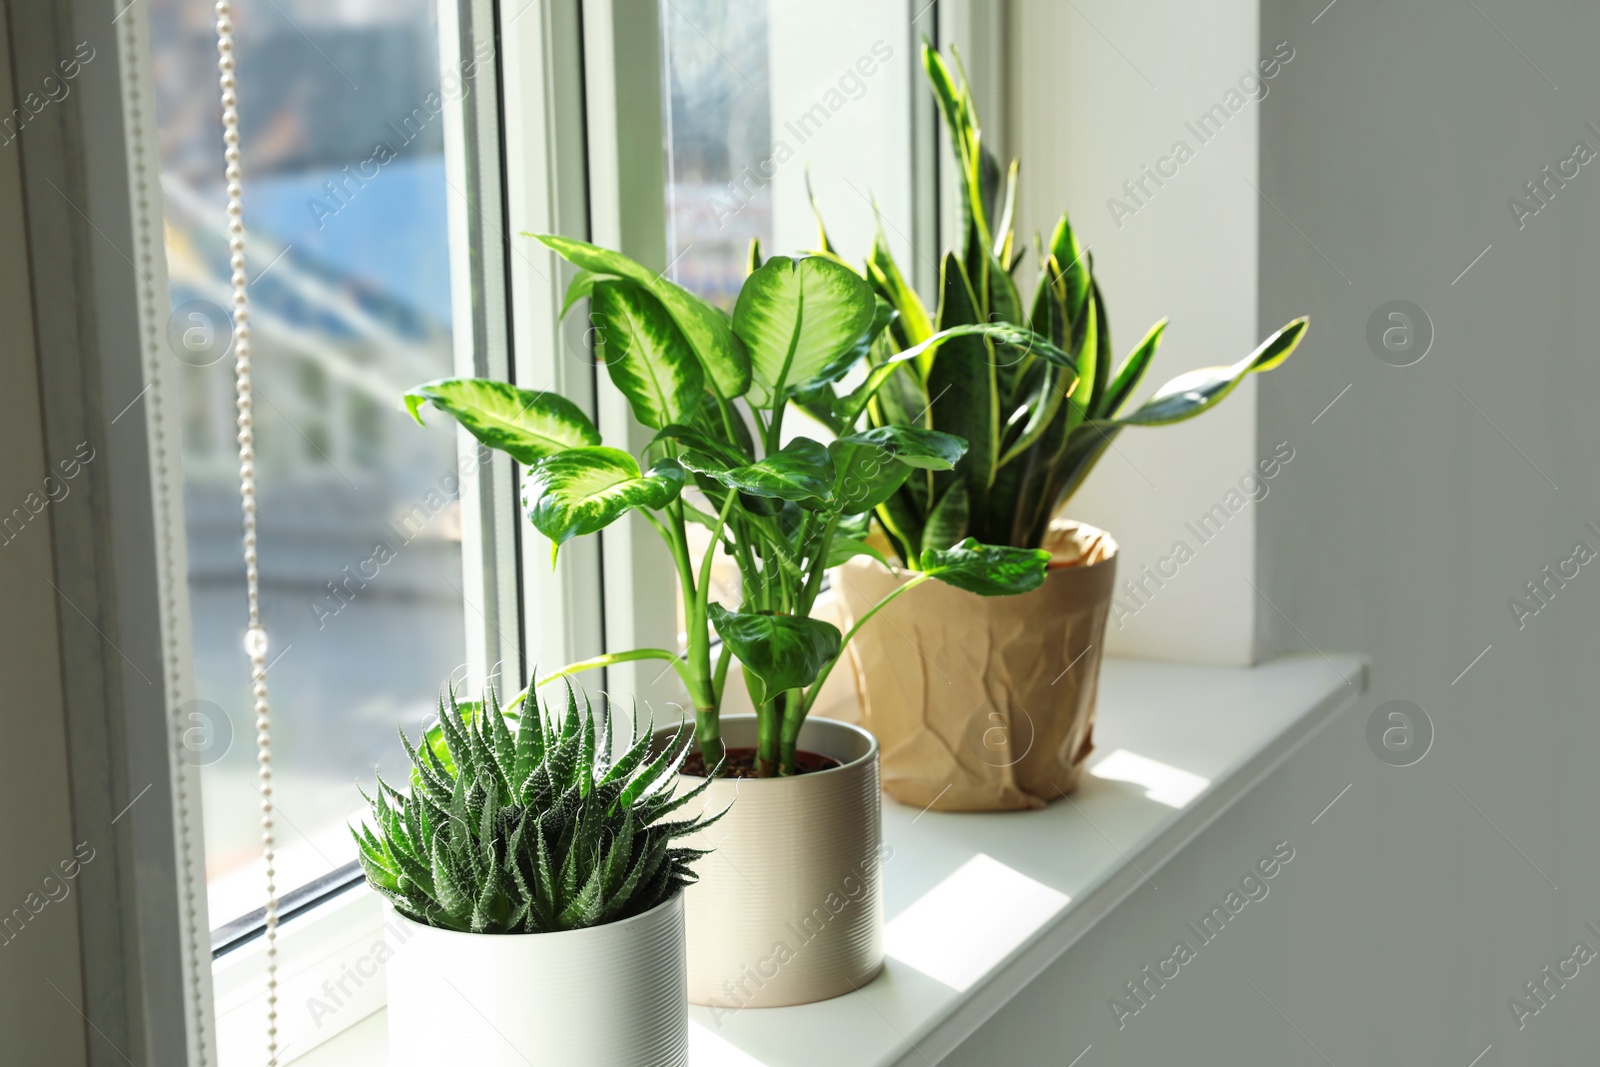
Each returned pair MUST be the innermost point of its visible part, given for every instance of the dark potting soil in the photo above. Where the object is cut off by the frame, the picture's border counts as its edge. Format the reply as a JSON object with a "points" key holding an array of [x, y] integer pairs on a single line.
{"points": [[741, 763]]}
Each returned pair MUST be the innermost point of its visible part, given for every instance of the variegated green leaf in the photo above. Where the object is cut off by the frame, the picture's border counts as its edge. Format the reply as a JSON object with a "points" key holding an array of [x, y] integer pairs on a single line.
{"points": [[584, 490], [726, 366], [646, 354], [796, 317], [525, 424]]}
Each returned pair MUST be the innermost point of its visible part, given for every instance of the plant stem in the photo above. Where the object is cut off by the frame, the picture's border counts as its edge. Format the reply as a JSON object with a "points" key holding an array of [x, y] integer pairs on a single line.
{"points": [[708, 723], [768, 726], [794, 716], [761, 425], [819, 565], [697, 671], [720, 679], [822, 676], [705, 564]]}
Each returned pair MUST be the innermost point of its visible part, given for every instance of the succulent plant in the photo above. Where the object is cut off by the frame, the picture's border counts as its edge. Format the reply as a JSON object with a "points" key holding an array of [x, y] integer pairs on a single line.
{"points": [[529, 830]]}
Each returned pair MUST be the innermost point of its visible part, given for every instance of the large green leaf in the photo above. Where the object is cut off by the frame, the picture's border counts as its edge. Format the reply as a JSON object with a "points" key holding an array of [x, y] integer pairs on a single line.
{"points": [[882, 315], [963, 383], [801, 471], [700, 441], [867, 475], [912, 445], [525, 424], [1069, 274], [583, 490], [779, 652], [872, 464], [988, 570], [706, 328], [844, 548], [1189, 394], [796, 317], [947, 521], [648, 357]]}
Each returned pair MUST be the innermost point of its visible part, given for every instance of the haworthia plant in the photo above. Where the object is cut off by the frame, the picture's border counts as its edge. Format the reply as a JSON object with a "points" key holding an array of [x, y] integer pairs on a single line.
{"points": [[526, 825], [716, 390], [1038, 408]]}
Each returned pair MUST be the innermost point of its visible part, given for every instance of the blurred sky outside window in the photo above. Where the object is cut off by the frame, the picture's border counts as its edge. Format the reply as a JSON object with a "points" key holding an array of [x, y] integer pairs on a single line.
{"points": [[345, 204]]}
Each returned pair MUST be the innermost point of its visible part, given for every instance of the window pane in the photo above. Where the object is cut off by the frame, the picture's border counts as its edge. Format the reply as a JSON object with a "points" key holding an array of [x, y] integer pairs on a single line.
{"points": [[758, 91], [360, 545]]}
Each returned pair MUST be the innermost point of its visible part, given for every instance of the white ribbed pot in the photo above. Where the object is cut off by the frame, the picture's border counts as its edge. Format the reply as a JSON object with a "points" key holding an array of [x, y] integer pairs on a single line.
{"points": [[599, 997], [789, 905]]}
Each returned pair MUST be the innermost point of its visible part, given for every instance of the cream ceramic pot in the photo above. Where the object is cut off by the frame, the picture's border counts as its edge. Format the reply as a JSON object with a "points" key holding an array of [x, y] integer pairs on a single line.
{"points": [[598, 997], [789, 906]]}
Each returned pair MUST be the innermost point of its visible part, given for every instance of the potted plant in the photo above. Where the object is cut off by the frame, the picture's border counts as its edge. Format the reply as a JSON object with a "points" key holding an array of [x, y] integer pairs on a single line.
{"points": [[1012, 727], [713, 391], [536, 891]]}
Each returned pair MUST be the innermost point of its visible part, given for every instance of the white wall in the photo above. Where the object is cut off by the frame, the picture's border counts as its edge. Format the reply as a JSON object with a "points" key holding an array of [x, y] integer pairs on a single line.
{"points": [[1417, 509], [1099, 90]]}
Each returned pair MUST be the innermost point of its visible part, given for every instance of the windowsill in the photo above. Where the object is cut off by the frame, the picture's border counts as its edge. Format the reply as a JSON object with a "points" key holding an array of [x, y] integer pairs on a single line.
{"points": [[977, 905]]}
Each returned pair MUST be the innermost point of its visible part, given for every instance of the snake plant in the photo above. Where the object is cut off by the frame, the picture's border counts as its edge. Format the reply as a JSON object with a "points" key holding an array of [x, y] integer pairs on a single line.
{"points": [[713, 391], [530, 830], [1035, 426]]}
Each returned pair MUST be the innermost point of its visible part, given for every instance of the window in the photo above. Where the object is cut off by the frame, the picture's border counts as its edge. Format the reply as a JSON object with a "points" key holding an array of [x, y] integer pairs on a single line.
{"points": [[361, 562], [758, 94], [384, 251]]}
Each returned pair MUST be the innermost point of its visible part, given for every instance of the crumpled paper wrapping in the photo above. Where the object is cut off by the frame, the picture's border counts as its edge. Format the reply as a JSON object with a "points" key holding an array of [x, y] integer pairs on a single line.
{"points": [[983, 703]]}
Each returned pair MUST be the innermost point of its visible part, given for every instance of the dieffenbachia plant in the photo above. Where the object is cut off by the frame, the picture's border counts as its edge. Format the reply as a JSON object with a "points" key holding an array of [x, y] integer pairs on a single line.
{"points": [[529, 830], [1032, 436], [713, 390]]}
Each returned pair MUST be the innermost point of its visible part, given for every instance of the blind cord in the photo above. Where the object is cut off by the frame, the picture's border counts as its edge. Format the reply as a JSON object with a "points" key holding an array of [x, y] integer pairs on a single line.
{"points": [[255, 635]]}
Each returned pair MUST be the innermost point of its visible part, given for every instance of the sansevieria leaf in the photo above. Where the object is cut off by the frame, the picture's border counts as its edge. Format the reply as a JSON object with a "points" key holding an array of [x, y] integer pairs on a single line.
{"points": [[525, 424], [779, 652], [947, 521], [1130, 373], [796, 317], [583, 490], [1189, 394], [645, 353]]}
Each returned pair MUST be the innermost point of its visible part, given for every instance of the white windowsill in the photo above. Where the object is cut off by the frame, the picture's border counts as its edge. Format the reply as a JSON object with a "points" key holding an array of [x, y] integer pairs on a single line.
{"points": [[978, 905]]}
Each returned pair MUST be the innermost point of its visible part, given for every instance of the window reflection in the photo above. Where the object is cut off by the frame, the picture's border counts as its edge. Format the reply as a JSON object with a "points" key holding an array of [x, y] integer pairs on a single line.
{"points": [[342, 114]]}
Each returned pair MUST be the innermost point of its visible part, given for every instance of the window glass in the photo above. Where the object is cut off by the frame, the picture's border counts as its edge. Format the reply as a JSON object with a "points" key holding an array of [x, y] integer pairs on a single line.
{"points": [[718, 125], [341, 109], [758, 94]]}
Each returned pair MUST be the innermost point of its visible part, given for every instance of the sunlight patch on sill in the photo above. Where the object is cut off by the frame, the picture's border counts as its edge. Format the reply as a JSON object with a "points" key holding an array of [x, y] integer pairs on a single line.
{"points": [[1163, 783], [965, 926]]}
